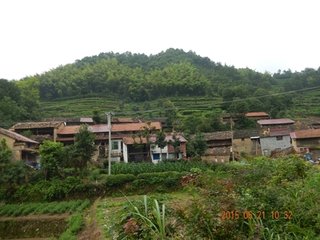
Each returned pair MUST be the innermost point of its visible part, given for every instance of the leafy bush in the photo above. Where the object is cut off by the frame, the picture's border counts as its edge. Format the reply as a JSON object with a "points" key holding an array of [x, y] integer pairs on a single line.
{"points": [[56, 189], [113, 181]]}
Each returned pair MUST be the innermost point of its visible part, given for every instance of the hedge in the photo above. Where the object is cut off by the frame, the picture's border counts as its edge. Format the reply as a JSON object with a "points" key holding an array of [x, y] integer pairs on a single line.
{"points": [[75, 188]]}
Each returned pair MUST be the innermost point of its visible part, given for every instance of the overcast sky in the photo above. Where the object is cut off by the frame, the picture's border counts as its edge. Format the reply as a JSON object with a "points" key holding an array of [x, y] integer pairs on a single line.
{"points": [[265, 35]]}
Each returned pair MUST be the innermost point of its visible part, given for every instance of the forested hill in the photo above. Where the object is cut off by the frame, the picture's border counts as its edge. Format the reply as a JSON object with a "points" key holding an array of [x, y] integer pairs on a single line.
{"points": [[138, 77], [174, 72]]}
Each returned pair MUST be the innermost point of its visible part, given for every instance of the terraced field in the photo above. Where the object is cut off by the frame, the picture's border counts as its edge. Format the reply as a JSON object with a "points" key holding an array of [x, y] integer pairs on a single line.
{"points": [[86, 106], [306, 105]]}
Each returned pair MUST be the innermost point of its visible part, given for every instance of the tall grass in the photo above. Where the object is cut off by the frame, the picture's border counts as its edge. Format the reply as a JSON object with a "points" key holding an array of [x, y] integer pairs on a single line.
{"points": [[154, 219]]}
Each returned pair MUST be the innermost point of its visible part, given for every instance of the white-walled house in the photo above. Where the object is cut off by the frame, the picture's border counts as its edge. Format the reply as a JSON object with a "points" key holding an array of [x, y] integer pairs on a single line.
{"points": [[135, 149]]}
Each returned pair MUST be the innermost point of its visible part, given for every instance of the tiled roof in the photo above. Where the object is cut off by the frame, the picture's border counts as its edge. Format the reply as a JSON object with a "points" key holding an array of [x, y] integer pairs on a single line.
{"points": [[69, 130], [257, 114], [31, 125], [16, 136], [275, 121], [101, 128], [223, 135], [309, 133], [98, 128], [131, 127]]}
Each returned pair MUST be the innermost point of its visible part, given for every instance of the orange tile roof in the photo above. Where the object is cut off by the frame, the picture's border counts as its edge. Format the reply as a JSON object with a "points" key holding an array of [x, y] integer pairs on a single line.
{"points": [[257, 114], [99, 128], [309, 133], [69, 130]]}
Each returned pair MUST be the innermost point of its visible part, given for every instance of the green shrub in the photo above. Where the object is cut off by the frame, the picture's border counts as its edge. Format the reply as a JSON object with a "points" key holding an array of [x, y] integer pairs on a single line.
{"points": [[164, 179], [164, 166], [118, 180], [56, 189]]}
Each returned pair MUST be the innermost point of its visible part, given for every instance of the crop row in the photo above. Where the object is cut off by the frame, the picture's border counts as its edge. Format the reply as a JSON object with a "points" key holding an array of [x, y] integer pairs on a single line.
{"points": [[43, 208]]}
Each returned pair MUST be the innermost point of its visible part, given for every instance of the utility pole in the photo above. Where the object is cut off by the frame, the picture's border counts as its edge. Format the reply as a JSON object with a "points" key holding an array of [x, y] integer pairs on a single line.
{"points": [[109, 114], [232, 150]]}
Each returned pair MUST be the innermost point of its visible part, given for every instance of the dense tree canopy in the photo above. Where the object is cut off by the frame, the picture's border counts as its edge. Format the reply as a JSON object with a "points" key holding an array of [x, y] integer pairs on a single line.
{"points": [[18, 100]]}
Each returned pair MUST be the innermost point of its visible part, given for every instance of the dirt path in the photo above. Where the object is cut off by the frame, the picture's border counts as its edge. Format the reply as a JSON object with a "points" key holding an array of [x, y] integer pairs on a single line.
{"points": [[91, 230]]}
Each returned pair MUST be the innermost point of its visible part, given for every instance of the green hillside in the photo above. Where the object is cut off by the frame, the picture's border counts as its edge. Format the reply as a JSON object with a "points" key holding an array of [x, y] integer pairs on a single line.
{"points": [[137, 84]]}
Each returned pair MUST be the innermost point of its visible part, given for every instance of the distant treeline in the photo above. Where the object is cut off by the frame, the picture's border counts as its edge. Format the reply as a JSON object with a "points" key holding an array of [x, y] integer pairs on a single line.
{"points": [[138, 77]]}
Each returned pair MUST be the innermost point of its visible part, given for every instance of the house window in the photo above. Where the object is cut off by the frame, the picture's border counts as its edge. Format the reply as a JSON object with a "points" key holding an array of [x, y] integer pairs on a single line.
{"points": [[279, 138], [115, 145], [156, 156]]}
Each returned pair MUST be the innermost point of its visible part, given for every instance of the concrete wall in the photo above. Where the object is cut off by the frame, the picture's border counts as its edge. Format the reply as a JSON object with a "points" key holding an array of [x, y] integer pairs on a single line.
{"points": [[125, 153], [247, 146], [268, 144], [244, 145]]}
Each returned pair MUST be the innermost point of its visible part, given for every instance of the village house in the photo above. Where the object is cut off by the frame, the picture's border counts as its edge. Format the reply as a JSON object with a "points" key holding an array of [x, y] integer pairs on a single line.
{"points": [[275, 135], [281, 123], [22, 148], [119, 131], [274, 141], [307, 141], [257, 115], [246, 141], [219, 146], [39, 131], [135, 148]]}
